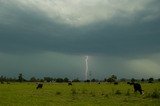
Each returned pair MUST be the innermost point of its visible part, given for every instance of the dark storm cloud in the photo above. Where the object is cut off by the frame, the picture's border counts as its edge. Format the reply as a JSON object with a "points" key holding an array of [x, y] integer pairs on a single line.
{"points": [[29, 30]]}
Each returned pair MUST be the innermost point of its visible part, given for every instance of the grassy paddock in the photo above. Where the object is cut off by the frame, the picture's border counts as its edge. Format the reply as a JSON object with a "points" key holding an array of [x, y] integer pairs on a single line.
{"points": [[79, 94]]}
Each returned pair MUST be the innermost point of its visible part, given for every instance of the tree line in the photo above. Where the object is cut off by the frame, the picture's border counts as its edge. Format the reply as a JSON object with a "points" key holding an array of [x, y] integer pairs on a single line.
{"points": [[111, 79]]}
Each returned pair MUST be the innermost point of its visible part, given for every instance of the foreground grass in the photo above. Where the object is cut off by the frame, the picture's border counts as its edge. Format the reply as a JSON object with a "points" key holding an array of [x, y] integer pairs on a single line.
{"points": [[80, 94]]}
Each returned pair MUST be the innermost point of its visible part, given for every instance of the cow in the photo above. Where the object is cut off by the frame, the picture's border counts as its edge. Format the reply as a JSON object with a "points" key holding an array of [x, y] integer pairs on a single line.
{"points": [[115, 83], [39, 86], [137, 87], [69, 83], [130, 83]]}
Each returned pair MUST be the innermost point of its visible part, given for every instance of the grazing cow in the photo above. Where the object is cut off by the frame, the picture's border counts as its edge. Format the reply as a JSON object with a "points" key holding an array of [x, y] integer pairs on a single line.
{"points": [[150, 82], [39, 86], [130, 83], [69, 83], [115, 83], [137, 87]]}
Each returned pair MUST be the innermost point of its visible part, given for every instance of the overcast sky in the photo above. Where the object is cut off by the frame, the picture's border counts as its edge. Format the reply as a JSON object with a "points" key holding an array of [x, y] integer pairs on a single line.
{"points": [[52, 37]]}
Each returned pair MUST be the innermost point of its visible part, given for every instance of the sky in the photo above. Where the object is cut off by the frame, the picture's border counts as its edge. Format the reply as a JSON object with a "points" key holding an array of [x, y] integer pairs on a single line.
{"points": [[53, 37]]}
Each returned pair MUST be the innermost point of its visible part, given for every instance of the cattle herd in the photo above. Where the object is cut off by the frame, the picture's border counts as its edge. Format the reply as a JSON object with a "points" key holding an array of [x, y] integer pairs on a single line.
{"points": [[136, 86]]}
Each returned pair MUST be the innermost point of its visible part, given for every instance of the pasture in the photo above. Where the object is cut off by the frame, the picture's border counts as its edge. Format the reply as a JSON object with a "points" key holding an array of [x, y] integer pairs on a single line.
{"points": [[79, 94]]}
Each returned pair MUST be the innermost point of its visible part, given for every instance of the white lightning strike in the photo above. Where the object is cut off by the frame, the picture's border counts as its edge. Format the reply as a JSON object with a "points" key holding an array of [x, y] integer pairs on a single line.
{"points": [[86, 71]]}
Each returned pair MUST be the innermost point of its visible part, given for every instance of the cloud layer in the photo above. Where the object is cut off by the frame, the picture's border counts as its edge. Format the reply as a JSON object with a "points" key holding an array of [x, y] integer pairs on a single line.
{"points": [[116, 28], [105, 27]]}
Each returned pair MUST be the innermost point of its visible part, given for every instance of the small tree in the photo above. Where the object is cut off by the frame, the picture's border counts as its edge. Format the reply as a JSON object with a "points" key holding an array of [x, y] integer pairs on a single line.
{"points": [[59, 80], [133, 80], [110, 80], [113, 78], [150, 80], [66, 79], [123, 79], [142, 80], [76, 80], [93, 80], [48, 79], [105, 80], [20, 77], [33, 79]]}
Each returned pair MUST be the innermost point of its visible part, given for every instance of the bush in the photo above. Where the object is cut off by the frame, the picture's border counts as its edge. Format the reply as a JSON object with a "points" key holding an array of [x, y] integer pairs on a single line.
{"points": [[128, 92], [118, 92], [155, 94], [58, 93], [84, 91], [73, 91], [93, 93], [106, 95]]}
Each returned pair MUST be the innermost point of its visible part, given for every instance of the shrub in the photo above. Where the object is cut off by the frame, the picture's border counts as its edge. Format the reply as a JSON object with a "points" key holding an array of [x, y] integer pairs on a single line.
{"points": [[73, 91], [58, 93], [128, 92], [93, 93], [106, 95], [155, 94], [118, 92], [84, 91]]}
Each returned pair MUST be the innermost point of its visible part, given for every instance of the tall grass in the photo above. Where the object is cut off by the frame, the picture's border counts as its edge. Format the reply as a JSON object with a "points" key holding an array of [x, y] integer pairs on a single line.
{"points": [[93, 94]]}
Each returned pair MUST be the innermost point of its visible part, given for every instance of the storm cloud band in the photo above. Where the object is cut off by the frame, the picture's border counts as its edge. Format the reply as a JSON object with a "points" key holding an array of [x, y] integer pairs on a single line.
{"points": [[108, 28]]}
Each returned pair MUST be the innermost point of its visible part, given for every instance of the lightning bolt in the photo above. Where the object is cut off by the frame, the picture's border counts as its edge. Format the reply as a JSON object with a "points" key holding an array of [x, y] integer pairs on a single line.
{"points": [[86, 71]]}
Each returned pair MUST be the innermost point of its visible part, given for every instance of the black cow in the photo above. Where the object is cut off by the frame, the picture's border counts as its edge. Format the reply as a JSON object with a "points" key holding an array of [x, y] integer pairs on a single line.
{"points": [[39, 86], [115, 83], [137, 87], [69, 83], [130, 83]]}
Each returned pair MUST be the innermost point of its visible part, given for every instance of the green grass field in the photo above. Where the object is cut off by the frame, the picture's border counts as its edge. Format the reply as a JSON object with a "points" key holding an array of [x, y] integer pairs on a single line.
{"points": [[79, 94]]}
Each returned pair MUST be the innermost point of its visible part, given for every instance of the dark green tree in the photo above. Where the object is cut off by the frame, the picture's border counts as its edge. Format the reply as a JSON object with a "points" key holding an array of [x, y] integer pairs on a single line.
{"points": [[123, 79], [48, 79], [150, 80], [66, 79], [93, 80], [59, 80], [76, 80], [113, 78], [33, 79], [142, 80], [133, 80], [20, 77]]}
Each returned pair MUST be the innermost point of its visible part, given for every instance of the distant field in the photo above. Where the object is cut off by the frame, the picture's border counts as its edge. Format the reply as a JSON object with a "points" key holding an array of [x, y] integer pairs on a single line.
{"points": [[79, 94]]}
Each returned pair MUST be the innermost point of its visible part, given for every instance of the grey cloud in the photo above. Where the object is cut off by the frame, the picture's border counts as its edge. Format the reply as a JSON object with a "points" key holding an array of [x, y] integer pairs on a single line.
{"points": [[27, 31], [51, 38]]}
